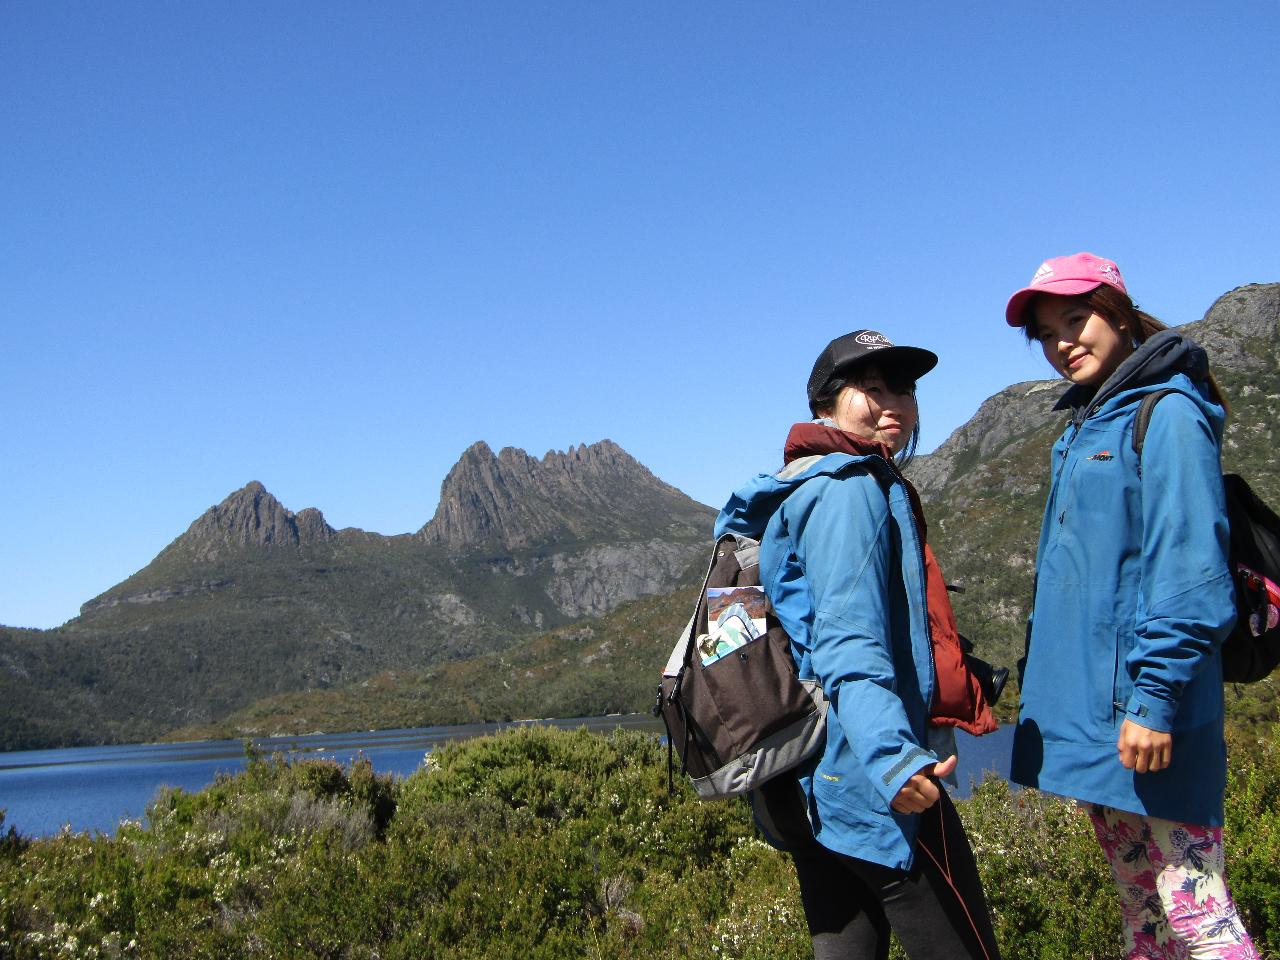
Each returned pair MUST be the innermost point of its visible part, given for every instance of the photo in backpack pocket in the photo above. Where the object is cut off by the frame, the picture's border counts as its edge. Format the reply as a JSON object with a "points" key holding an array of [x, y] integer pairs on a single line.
{"points": [[736, 617], [752, 600]]}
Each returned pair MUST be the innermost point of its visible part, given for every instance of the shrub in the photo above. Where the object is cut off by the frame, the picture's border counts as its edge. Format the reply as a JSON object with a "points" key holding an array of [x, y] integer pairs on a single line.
{"points": [[1252, 834], [11, 843], [1047, 883], [540, 844]]}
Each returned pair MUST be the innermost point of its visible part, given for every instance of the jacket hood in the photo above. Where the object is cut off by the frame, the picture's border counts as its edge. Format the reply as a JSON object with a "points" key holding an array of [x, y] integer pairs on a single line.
{"points": [[1155, 365], [749, 508]]}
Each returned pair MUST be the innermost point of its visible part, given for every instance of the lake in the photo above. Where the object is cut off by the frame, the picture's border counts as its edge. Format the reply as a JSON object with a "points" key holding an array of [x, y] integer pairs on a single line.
{"points": [[94, 788]]}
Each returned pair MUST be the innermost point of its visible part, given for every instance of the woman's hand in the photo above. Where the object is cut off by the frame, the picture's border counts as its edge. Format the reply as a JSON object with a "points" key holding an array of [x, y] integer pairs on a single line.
{"points": [[920, 792], [1143, 750]]}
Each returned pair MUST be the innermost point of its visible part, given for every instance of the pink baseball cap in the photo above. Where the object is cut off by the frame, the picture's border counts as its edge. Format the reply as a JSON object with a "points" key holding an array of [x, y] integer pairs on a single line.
{"points": [[1065, 277]]}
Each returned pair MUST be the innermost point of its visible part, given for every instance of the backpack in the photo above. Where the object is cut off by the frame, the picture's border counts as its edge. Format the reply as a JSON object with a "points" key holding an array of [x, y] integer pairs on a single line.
{"points": [[730, 697], [1252, 649]]}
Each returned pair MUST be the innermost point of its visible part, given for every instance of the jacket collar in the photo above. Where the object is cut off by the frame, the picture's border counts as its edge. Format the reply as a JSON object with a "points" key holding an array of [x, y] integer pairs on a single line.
{"points": [[822, 437]]}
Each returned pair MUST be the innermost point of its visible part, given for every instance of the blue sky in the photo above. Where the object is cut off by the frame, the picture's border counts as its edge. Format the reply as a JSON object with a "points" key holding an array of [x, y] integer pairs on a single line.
{"points": [[328, 246]]}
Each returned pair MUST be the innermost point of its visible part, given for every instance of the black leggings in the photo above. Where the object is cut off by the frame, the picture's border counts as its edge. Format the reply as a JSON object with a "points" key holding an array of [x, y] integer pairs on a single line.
{"points": [[937, 909]]}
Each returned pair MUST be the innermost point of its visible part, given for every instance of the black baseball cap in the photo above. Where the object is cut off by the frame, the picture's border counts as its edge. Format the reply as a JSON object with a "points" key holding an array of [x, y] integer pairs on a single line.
{"points": [[861, 346]]}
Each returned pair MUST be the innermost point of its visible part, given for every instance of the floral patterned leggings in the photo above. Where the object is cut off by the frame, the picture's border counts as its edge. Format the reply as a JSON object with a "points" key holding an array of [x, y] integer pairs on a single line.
{"points": [[1173, 897]]}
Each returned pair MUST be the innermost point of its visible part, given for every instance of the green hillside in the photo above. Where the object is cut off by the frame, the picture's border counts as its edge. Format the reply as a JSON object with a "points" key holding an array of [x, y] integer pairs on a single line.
{"points": [[608, 665]]}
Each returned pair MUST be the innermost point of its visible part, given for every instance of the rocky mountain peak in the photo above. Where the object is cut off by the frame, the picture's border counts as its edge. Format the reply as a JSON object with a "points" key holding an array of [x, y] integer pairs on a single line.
{"points": [[479, 452], [511, 500], [251, 516], [1239, 330]]}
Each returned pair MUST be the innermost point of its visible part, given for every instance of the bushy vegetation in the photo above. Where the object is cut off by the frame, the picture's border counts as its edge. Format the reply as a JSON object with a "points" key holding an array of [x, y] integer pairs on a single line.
{"points": [[536, 844], [1253, 831]]}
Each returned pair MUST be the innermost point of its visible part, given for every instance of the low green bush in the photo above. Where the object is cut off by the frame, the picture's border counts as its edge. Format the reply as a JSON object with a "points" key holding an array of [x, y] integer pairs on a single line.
{"points": [[537, 844], [1252, 833], [1046, 880]]}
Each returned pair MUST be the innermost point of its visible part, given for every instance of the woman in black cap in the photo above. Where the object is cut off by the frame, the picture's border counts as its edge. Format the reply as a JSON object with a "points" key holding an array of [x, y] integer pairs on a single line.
{"points": [[876, 841]]}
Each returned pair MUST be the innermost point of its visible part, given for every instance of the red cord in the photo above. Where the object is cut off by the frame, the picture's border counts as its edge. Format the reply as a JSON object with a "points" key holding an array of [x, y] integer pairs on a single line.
{"points": [[946, 875]]}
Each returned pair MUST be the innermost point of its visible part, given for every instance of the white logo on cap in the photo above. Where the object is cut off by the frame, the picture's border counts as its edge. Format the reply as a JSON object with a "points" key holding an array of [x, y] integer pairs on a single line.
{"points": [[873, 340], [1109, 271], [1042, 274]]}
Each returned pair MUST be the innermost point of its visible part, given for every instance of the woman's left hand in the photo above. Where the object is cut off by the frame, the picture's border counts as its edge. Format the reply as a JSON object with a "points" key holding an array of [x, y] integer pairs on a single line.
{"points": [[1142, 749]]}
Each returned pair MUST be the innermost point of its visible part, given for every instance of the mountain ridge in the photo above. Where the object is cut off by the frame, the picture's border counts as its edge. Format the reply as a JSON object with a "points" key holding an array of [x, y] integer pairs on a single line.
{"points": [[251, 516], [254, 600], [511, 500]]}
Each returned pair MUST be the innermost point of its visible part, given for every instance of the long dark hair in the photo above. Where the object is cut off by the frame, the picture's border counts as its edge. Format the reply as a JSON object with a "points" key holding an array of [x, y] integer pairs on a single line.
{"points": [[824, 401], [1119, 310]]}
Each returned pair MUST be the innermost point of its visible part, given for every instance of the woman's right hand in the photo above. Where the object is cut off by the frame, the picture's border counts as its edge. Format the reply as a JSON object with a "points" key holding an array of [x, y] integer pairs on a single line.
{"points": [[921, 792], [1142, 749]]}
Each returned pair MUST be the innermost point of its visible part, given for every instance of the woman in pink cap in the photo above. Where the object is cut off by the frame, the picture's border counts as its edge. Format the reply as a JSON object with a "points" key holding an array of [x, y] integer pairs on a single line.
{"points": [[1122, 681]]}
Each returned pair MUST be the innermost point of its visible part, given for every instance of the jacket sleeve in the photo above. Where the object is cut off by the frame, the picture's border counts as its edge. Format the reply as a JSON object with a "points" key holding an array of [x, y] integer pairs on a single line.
{"points": [[843, 542], [1185, 606]]}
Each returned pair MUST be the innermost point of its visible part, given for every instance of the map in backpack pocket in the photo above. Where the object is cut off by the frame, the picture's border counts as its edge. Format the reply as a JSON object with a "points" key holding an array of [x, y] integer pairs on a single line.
{"points": [[735, 616]]}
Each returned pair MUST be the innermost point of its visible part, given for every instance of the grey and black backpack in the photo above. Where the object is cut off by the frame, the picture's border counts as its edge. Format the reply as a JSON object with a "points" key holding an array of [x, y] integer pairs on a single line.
{"points": [[734, 707]]}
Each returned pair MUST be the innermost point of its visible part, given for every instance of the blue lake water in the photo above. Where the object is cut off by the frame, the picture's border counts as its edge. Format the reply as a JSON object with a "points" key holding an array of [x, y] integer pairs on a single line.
{"points": [[94, 788]]}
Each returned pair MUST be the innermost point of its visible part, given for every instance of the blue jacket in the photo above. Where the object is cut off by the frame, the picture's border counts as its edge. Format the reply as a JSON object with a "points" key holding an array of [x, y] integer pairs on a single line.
{"points": [[842, 564], [1133, 597]]}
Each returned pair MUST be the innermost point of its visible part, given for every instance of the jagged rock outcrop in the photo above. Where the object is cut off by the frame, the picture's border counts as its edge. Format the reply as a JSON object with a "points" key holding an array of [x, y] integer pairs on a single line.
{"points": [[1239, 329], [251, 516], [588, 584], [511, 501], [1011, 417]]}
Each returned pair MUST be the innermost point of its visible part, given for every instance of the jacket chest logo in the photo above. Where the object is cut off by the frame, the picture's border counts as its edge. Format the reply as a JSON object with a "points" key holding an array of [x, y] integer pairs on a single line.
{"points": [[1103, 455]]}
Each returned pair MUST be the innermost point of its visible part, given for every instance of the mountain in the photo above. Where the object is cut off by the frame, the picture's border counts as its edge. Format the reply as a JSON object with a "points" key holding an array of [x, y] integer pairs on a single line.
{"points": [[254, 600], [258, 619], [251, 517]]}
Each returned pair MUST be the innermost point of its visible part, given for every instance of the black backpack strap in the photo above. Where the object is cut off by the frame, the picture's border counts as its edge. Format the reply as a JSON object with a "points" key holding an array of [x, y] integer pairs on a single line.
{"points": [[1143, 420]]}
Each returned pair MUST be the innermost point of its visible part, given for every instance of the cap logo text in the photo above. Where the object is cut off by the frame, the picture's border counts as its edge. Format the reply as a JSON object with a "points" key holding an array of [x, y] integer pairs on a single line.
{"points": [[1042, 274], [872, 339]]}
